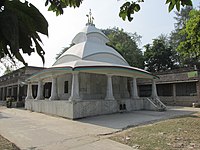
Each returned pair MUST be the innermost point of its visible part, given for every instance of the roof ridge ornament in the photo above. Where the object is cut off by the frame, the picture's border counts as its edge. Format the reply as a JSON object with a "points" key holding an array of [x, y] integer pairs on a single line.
{"points": [[90, 19]]}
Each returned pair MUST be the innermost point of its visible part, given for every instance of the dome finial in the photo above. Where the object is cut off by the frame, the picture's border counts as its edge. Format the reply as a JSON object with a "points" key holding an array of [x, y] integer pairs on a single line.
{"points": [[90, 19]]}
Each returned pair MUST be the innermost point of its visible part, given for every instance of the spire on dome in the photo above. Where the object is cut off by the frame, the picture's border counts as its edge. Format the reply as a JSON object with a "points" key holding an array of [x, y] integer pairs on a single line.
{"points": [[90, 19]]}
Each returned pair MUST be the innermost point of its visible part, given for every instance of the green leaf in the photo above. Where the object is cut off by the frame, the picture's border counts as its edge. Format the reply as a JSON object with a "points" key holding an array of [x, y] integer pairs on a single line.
{"points": [[130, 11], [137, 7], [125, 6], [167, 1], [9, 29], [58, 5], [127, 9], [20, 58], [171, 6], [46, 3], [178, 5], [124, 10], [58, 13], [186, 2], [20, 23], [123, 15], [39, 50], [173, 2]]}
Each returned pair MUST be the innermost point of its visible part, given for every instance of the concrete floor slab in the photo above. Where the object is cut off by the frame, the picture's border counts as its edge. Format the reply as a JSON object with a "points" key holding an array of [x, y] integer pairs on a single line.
{"points": [[36, 131]]}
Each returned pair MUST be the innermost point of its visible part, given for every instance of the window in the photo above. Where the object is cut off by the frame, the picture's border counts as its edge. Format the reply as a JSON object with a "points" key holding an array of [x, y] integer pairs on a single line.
{"points": [[34, 90], [145, 90], [165, 89], [186, 89], [47, 89], [66, 87]]}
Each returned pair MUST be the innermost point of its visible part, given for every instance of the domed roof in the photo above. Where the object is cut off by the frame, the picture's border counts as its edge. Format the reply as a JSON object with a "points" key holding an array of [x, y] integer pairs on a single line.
{"points": [[90, 29], [90, 53], [90, 45]]}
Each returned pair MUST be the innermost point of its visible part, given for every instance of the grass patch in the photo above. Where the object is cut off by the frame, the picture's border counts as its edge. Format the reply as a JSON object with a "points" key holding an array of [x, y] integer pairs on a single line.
{"points": [[7, 145], [178, 133]]}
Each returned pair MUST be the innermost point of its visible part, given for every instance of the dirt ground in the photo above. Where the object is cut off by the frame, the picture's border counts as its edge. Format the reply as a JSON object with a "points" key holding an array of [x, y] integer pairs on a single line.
{"points": [[173, 134], [7, 145]]}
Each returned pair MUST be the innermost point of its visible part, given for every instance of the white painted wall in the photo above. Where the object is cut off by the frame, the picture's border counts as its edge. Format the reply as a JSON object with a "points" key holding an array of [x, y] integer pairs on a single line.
{"points": [[92, 86], [60, 82], [120, 87]]}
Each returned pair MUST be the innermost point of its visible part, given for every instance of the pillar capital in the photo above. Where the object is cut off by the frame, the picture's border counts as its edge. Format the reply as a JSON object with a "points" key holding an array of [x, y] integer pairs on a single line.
{"points": [[54, 76], [109, 75], [75, 73]]}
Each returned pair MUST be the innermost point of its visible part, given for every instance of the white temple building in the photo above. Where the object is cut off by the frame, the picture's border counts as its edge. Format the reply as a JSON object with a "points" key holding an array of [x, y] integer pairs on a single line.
{"points": [[90, 79]]}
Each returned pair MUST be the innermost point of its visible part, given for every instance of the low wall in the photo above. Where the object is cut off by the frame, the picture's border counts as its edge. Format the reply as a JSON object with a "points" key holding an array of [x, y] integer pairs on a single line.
{"points": [[60, 108], [186, 100], [179, 100], [94, 107], [167, 100], [84, 108]]}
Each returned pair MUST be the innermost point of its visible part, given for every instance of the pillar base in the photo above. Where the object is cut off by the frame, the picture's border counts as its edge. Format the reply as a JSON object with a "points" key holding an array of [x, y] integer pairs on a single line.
{"points": [[110, 98], [29, 97], [154, 97], [39, 98], [53, 98], [136, 97], [74, 99]]}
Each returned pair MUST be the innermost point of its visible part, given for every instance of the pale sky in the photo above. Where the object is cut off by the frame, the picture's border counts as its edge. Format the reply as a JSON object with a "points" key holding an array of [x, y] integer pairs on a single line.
{"points": [[152, 20]]}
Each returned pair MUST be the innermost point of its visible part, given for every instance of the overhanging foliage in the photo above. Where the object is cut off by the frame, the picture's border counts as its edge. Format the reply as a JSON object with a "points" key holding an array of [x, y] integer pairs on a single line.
{"points": [[19, 27]]}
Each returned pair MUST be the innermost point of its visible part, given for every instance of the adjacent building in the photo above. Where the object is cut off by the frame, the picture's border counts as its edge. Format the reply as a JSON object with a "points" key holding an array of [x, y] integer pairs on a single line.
{"points": [[180, 87], [12, 85]]}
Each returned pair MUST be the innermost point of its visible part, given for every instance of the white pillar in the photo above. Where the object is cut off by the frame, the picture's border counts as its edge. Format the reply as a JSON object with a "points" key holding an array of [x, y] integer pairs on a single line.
{"points": [[40, 91], [18, 88], [174, 93], [7, 92], [3, 94], [75, 87], [54, 92], [109, 90], [154, 90], [12, 91], [134, 90], [29, 91]]}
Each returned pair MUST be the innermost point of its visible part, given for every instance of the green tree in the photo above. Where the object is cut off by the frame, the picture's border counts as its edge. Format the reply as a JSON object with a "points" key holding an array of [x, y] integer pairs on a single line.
{"points": [[159, 56], [190, 47], [175, 38], [19, 27], [127, 45], [181, 18]]}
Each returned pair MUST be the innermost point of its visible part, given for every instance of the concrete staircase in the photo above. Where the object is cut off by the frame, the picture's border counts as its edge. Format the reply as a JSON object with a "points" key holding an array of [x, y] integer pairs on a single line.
{"points": [[157, 104]]}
